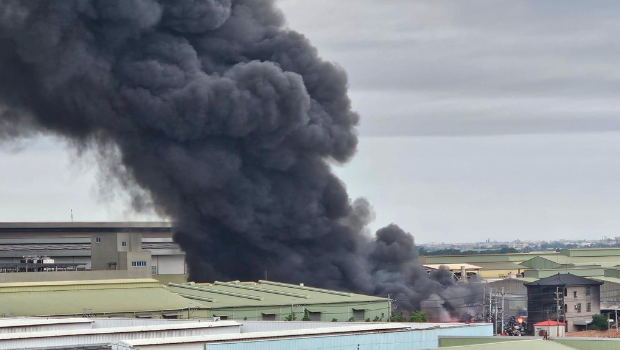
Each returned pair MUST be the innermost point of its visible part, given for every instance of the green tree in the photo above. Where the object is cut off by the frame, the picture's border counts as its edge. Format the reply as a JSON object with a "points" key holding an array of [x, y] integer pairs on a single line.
{"points": [[418, 316], [352, 319], [291, 317], [306, 315], [599, 322], [334, 320], [399, 318]]}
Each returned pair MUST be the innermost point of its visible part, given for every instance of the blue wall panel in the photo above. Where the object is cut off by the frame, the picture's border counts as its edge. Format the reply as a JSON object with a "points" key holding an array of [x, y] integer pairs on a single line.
{"points": [[415, 339]]}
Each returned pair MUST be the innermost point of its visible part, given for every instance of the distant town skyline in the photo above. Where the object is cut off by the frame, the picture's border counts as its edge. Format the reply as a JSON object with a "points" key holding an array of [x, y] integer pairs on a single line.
{"points": [[475, 123]]}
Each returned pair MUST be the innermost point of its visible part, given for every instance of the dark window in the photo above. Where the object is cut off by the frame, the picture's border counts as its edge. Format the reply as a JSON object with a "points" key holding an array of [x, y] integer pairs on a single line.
{"points": [[97, 239], [589, 307], [565, 308], [565, 292], [575, 294], [587, 290], [315, 316], [269, 317], [578, 307], [358, 315], [123, 244], [138, 263]]}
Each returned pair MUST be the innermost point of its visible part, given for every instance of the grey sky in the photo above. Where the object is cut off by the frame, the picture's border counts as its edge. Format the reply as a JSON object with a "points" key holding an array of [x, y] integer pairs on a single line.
{"points": [[479, 119]]}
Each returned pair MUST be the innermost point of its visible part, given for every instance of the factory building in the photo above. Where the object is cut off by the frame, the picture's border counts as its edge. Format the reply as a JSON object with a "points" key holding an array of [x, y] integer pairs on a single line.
{"points": [[564, 297], [129, 334], [71, 246], [274, 301]]}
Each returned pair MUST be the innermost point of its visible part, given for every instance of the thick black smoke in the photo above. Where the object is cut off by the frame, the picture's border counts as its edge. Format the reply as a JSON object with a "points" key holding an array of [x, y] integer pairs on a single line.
{"points": [[227, 120]]}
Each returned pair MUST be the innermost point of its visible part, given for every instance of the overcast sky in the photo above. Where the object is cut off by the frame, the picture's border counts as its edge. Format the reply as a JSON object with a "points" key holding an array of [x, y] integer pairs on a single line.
{"points": [[480, 119]]}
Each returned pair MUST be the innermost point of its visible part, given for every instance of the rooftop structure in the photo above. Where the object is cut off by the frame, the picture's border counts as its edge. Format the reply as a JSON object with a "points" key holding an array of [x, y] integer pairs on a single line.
{"points": [[126, 334], [271, 301], [126, 297]]}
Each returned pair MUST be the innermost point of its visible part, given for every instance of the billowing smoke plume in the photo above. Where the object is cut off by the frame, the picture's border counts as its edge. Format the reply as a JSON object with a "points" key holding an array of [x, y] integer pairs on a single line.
{"points": [[227, 120]]}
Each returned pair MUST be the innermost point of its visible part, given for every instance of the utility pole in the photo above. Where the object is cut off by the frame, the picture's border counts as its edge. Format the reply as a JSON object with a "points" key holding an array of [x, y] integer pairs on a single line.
{"points": [[503, 294], [557, 311], [389, 310], [490, 304], [495, 320]]}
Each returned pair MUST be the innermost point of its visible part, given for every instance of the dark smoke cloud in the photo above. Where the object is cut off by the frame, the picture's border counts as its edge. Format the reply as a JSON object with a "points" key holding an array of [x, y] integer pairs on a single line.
{"points": [[226, 119]]}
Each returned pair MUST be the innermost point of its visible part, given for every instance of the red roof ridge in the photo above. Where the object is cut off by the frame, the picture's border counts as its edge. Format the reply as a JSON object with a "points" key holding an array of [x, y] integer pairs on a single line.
{"points": [[549, 323]]}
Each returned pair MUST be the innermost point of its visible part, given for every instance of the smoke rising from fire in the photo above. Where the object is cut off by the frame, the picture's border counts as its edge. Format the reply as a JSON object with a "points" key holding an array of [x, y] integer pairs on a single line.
{"points": [[227, 120]]}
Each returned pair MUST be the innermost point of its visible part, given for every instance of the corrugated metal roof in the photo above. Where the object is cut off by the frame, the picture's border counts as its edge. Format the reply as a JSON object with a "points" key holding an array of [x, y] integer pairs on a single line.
{"points": [[549, 323], [154, 328], [276, 334], [21, 322], [262, 296], [107, 301], [72, 285], [564, 280], [453, 267]]}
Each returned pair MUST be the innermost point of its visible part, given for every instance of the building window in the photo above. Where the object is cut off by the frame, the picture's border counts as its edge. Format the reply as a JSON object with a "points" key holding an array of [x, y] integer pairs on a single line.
{"points": [[153, 270], [138, 263], [587, 290], [269, 317], [575, 294], [565, 292], [589, 307], [123, 244], [358, 315], [97, 239], [314, 316], [578, 307]]}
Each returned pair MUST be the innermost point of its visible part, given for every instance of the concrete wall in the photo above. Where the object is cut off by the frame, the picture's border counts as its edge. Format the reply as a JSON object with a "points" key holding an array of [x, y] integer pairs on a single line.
{"points": [[571, 301], [72, 276], [104, 252]]}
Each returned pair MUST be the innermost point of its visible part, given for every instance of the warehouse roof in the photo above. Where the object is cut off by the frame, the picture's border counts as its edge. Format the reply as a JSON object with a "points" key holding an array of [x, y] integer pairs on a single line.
{"points": [[21, 322], [90, 297], [373, 327], [452, 267], [564, 280], [264, 293], [135, 329]]}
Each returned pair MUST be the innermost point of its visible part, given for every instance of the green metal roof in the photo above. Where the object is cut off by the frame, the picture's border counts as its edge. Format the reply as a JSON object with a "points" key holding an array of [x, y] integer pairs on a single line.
{"points": [[265, 293], [72, 302], [591, 252], [500, 265], [530, 344]]}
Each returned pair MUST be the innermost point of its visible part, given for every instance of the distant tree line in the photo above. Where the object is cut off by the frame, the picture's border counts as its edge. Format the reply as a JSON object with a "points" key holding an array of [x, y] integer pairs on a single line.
{"points": [[504, 250]]}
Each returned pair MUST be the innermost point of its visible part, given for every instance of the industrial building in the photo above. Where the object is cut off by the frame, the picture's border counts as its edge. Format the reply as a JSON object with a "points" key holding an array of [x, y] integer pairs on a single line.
{"points": [[129, 334], [274, 301], [564, 297], [70, 246]]}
